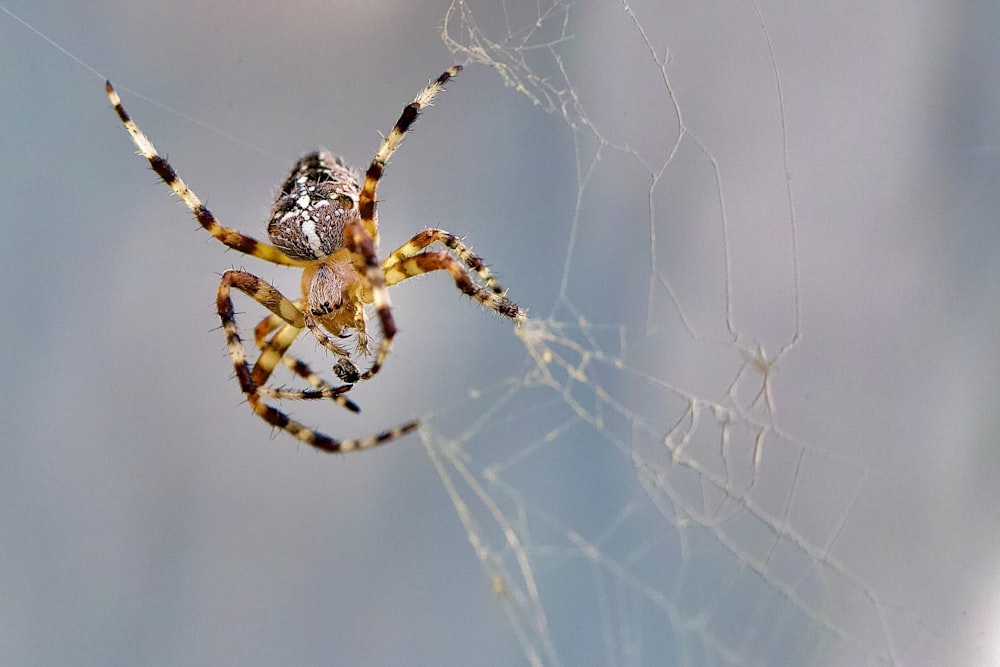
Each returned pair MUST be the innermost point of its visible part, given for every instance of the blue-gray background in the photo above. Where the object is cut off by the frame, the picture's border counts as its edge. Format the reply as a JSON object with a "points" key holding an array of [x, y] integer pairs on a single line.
{"points": [[147, 518]]}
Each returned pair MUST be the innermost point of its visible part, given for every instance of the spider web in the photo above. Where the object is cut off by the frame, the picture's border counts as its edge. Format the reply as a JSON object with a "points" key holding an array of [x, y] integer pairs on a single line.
{"points": [[634, 494]]}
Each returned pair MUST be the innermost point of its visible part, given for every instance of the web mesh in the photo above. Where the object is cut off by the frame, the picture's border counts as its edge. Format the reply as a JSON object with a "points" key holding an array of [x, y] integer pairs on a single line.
{"points": [[632, 493]]}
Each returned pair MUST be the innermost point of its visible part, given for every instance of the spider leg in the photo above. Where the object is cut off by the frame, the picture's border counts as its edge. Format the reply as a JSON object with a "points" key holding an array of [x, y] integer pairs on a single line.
{"points": [[366, 201], [268, 296], [230, 237], [361, 238], [324, 339], [276, 350], [270, 323], [429, 236], [300, 368], [429, 261], [344, 368], [360, 242]]}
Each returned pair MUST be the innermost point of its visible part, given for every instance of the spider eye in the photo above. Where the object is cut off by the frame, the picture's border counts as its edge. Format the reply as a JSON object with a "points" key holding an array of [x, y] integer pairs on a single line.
{"points": [[325, 308], [326, 289]]}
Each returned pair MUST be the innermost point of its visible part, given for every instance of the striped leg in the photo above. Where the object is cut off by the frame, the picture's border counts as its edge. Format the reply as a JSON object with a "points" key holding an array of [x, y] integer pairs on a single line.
{"points": [[324, 339], [287, 319], [275, 351], [429, 261], [230, 237], [361, 237], [360, 242], [366, 202], [267, 325], [265, 294], [300, 368], [344, 368], [429, 236]]}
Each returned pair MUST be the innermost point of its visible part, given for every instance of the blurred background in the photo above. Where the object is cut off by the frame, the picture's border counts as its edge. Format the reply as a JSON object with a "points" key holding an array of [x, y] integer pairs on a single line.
{"points": [[752, 421]]}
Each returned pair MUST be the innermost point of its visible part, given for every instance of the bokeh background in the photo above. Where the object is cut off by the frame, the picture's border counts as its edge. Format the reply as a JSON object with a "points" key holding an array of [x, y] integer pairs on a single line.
{"points": [[148, 518]]}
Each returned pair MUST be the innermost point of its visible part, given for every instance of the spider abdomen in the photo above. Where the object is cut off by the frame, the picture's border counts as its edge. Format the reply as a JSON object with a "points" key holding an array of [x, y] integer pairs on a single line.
{"points": [[316, 201]]}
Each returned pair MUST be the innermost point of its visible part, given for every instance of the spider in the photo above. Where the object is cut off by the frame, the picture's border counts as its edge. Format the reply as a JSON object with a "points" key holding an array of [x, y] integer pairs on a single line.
{"points": [[323, 221]]}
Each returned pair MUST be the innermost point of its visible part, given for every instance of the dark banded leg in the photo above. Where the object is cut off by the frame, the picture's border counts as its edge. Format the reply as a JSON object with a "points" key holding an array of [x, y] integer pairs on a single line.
{"points": [[366, 201], [270, 323], [359, 242], [254, 286], [230, 237], [344, 368], [360, 238], [429, 236], [326, 340], [275, 351], [429, 261], [266, 295], [300, 368]]}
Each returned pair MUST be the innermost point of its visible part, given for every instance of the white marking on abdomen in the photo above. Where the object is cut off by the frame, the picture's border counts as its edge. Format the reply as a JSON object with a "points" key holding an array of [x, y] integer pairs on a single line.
{"points": [[309, 231]]}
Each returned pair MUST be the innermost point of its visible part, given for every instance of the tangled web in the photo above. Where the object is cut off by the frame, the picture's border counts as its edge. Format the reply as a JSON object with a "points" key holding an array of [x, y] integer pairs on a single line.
{"points": [[632, 494]]}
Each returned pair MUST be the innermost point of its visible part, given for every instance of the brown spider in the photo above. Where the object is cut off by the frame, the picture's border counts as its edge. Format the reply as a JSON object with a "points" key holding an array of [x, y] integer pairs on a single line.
{"points": [[324, 222]]}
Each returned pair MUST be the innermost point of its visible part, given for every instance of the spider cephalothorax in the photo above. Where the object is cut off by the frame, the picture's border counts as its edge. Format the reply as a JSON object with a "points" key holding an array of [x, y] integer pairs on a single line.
{"points": [[323, 221]]}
